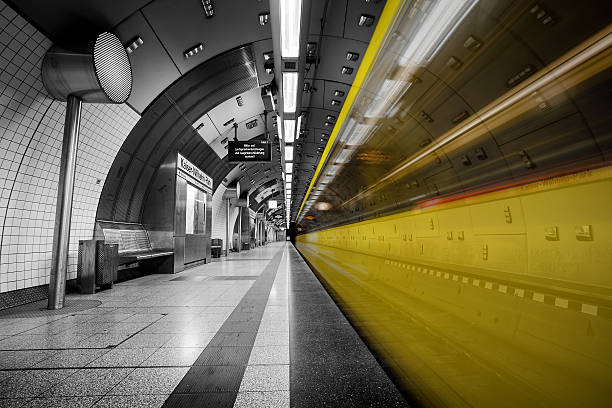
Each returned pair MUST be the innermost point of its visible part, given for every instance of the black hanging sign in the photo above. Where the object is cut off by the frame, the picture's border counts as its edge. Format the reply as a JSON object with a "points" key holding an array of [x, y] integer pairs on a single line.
{"points": [[249, 151]]}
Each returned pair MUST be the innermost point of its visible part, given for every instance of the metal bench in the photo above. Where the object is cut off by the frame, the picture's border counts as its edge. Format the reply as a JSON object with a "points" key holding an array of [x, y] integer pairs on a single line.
{"points": [[133, 242]]}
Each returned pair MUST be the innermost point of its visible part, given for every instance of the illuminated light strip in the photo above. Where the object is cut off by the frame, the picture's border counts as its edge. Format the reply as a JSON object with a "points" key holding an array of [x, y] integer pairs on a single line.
{"points": [[385, 21], [562, 66]]}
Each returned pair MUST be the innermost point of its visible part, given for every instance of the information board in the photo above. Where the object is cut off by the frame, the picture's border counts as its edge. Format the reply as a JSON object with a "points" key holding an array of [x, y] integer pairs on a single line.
{"points": [[249, 151]]}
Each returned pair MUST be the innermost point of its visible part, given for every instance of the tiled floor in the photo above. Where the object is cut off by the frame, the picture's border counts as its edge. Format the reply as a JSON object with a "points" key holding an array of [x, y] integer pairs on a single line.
{"points": [[218, 336]]}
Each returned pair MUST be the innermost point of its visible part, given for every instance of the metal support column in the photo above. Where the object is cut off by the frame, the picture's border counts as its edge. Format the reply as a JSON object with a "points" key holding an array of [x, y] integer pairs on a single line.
{"points": [[227, 227], [63, 211], [239, 229]]}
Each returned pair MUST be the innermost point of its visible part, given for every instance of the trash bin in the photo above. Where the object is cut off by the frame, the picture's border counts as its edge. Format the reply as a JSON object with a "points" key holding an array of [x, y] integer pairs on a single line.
{"points": [[216, 246], [107, 259], [97, 265]]}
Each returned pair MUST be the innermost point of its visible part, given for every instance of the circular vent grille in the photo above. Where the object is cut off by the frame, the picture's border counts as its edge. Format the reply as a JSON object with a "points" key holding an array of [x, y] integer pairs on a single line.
{"points": [[113, 67]]}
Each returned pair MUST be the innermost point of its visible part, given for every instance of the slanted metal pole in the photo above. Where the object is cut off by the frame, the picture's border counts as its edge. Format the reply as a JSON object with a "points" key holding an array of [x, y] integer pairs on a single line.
{"points": [[63, 210]]}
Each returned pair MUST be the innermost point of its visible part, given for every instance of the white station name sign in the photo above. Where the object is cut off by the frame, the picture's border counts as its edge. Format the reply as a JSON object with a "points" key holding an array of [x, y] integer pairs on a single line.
{"points": [[192, 170]]}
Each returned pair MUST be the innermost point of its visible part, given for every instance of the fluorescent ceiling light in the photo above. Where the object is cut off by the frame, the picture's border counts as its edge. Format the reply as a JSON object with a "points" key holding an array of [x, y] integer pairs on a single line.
{"points": [[299, 125], [279, 127], [288, 152], [272, 204], [289, 130], [289, 178], [288, 168], [290, 17], [290, 82]]}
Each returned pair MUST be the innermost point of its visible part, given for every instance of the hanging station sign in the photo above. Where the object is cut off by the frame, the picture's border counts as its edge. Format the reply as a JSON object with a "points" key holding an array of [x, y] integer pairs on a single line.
{"points": [[249, 151], [194, 172]]}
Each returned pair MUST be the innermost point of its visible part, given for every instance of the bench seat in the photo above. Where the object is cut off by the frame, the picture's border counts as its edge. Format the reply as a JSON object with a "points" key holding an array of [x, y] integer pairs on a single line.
{"points": [[132, 241]]}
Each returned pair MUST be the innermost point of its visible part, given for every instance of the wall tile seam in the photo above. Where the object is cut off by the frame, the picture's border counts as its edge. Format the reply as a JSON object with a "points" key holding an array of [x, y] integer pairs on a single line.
{"points": [[13, 184]]}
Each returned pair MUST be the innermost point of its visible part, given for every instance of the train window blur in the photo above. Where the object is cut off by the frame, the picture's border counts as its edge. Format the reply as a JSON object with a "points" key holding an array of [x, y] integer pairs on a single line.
{"points": [[195, 210]]}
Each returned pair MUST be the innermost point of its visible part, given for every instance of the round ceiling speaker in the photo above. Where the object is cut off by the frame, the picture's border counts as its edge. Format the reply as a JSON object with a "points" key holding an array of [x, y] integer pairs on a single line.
{"points": [[103, 76]]}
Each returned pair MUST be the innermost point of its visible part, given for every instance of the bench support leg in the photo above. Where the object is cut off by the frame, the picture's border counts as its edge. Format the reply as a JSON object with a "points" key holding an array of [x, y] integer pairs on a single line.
{"points": [[63, 210]]}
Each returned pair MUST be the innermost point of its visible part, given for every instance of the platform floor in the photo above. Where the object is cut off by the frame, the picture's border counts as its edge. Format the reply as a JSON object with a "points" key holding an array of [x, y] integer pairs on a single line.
{"points": [[256, 329]]}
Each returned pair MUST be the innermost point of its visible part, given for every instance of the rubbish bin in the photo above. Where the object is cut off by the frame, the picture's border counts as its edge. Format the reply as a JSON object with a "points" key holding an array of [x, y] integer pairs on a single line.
{"points": [[216, 246], [107, 258], [97, 265]]}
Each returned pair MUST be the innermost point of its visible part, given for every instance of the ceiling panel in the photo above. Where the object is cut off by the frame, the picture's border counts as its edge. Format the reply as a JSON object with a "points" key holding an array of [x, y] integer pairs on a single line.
{"points": [[252, 105], [333, 58], [152, 68], [334, 18], [181, 25], [73, 24], [354, 10], [206, 129], [328, 96]]}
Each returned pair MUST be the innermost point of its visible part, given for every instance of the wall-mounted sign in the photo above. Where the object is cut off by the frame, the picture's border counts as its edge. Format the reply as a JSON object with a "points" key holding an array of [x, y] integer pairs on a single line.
{"points": [[249, 151], [192, 170]]}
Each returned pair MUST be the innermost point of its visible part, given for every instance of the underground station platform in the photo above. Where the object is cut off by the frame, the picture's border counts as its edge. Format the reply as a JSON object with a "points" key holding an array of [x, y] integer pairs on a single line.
{"points": [[306, 203]]}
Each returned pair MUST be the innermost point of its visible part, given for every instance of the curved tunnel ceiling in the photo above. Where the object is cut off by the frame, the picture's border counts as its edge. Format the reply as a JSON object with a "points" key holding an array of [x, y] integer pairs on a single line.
{"points": [[167, 128], [173, 92]]}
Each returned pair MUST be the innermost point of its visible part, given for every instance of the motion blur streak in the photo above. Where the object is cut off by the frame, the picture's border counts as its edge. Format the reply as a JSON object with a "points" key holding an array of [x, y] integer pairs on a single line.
{"points": [[570, 69], [462, 218]]}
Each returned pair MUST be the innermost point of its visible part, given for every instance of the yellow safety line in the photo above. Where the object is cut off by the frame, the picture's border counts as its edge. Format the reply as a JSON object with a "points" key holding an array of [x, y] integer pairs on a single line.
{"points": [[384, 23]]}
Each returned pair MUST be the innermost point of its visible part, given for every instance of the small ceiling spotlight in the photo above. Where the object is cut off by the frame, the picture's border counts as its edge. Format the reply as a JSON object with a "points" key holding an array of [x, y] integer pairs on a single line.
{"points": [[131, 47], [347, 70], [193, 51], [366, 20], [335, 102], [352, 56], [311, 51], [208, 8], [264, 18], [338, 93]]}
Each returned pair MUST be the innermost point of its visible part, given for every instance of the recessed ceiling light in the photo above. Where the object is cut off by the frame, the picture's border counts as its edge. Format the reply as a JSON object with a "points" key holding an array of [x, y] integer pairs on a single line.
{"points": [[264, 18], [193, 51], [338, 93], [335, 102], [347, 70], [208, 8], [366, 20], [352, 56], [136, 42]]}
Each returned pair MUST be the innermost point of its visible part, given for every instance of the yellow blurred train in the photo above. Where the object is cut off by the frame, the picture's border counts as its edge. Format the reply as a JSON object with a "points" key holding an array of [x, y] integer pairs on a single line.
{"points": [[461, 214]]}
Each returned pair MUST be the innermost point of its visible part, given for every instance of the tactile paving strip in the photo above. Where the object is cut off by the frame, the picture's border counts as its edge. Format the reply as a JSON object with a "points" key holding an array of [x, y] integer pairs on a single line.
{"points": [[215, 377]]}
